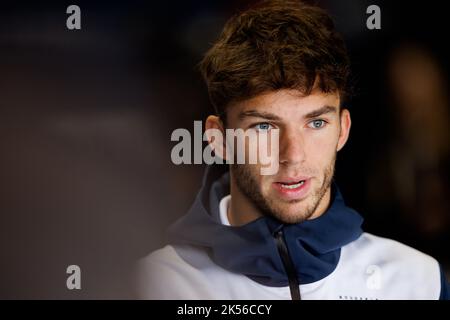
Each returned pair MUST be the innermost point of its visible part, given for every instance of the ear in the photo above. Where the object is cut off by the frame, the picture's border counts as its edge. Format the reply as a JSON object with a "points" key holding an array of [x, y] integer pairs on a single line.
{"points": [[346, 123], [215, 133]]}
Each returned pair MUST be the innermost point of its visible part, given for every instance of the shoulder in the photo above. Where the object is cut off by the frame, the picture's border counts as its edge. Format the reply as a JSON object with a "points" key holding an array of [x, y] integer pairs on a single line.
{"points": [[166, 255], [390, 251], [175, 258], [173, 271], [157, 271], [401, 271]]}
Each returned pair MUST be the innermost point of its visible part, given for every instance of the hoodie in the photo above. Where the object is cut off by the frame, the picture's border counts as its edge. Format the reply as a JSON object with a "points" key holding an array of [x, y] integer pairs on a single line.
{"points": [[329, 257]]}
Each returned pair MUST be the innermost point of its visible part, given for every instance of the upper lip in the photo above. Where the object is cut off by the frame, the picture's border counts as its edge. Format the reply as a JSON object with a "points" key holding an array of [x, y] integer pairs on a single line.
{"points": [[291, 180]]}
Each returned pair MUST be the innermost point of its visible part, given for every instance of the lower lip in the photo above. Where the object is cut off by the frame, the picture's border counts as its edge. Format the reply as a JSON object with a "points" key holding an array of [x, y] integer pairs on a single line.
{"points": [[291, 194]]}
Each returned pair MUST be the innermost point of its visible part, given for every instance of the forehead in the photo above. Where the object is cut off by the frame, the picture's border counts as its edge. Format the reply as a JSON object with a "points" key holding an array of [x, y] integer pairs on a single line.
{"points": [[285, 103]]}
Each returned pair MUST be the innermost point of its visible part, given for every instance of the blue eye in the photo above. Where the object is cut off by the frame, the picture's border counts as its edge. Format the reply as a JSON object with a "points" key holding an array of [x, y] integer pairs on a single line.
{"points": [[263, 126], [317, 124]]}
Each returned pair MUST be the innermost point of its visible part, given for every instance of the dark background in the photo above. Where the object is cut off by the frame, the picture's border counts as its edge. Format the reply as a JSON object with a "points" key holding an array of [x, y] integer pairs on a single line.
{"points": [[86, 117]]}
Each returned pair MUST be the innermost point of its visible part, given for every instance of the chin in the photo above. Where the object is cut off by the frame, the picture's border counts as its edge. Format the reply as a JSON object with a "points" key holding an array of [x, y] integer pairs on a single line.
{"points": [[291, 215], [292, 219]]}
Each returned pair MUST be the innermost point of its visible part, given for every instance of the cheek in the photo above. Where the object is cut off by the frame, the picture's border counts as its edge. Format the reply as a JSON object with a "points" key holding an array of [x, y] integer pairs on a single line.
{"points": [[263, 181], [254, 170], [321, 148]]}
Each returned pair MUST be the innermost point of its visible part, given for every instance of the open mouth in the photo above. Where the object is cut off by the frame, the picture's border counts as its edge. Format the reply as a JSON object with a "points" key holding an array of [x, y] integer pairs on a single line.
{"points": [[293, 189], [293, 185]]}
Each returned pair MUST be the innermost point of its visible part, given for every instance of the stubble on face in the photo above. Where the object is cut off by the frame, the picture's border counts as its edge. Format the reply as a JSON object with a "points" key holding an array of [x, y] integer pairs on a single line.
{"points": [[246, 179]]}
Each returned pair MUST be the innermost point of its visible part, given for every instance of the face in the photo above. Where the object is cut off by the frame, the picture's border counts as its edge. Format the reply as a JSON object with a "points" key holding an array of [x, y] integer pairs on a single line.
{"points": [[311, 131]]}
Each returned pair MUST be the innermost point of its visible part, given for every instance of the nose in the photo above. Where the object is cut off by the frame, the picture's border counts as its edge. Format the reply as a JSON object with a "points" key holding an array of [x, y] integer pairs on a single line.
{"points": [[292, 147]]}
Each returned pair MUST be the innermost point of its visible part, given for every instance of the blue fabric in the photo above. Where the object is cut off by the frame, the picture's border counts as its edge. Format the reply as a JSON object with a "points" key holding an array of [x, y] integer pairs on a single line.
{"points": [[445, 286], [314, 245]]}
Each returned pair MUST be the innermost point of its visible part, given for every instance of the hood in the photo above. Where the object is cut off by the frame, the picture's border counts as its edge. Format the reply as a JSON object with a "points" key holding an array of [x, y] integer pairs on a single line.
{"points": [[314, 245]]}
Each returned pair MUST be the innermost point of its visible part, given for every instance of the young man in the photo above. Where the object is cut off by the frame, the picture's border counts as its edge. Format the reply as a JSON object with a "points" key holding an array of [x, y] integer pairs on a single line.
{"points": [[289, 235]]}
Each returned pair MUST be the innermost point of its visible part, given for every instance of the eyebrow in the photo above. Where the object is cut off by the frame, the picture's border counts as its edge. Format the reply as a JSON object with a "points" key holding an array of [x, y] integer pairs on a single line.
{"points": [[270, 116], [259, 114], [321, 111]]}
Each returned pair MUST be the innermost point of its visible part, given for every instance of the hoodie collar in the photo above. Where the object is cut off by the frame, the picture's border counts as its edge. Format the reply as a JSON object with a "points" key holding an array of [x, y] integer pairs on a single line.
{"points": [[314, 245]]}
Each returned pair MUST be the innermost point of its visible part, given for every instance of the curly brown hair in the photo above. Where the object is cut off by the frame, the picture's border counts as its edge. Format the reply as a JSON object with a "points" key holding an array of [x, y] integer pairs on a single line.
{"points": [[275, 45]]}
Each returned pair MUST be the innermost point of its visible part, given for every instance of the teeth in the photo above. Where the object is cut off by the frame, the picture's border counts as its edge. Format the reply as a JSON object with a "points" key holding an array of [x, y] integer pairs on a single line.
{"points": [[292, 186]]}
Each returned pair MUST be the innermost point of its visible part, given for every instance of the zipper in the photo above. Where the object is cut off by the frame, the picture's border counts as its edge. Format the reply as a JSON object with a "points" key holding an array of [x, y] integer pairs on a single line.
{"points": [[294, 286]]}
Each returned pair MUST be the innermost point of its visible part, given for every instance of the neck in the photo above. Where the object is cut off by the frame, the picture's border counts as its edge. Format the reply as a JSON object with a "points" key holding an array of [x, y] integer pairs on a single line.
{"points": [[242, 210]]}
